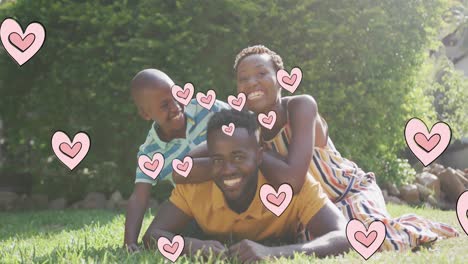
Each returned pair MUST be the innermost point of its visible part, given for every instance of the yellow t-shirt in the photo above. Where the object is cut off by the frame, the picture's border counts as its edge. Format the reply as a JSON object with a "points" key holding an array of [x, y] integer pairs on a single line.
{"points": [[206, 204]]}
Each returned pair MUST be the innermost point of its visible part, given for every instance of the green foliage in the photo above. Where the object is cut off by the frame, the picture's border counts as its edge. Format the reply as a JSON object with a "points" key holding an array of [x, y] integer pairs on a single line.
{"points": [[360, 61], [451, 97]]}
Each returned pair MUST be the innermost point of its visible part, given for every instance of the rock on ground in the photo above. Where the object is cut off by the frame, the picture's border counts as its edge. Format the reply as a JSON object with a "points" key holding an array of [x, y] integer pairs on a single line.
{"points": [[429, 181], [58, 204], [7, 200], [94, 200], [451, 184], [410, 194]]}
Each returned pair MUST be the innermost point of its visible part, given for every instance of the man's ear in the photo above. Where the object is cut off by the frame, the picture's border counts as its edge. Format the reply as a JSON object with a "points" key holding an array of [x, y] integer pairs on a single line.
{"points": [[259, 155]]}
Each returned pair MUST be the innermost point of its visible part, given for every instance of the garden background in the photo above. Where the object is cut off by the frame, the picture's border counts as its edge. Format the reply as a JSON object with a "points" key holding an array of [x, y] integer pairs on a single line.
{"points": [[370, 65]]}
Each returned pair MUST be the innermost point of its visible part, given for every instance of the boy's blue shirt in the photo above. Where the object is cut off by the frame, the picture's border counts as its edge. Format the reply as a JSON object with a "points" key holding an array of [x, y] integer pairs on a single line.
{"points": [[197, 120]]}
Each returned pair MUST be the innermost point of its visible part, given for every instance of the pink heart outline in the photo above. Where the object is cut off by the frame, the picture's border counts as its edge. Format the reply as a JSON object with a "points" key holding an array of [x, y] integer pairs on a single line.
{"points": [[183, 167], [70, 151], [238, 102], [424, 143], [208, 100], [355, 226], [228, 130], [277, 199], [365, 240], [174, 251], [267, 120], [270, 119], [186, 164], [143, 160], [414, 126], [290, 80], [152, 166], [60, 137], [171, 249], [462, 211], [287, 81], [23, 44], [183, 96], [266, 190], [9, 26]]}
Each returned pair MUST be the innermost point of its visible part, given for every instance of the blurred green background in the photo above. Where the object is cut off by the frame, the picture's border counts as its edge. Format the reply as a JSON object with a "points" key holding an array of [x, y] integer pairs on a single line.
{"points": [[371, 65]]}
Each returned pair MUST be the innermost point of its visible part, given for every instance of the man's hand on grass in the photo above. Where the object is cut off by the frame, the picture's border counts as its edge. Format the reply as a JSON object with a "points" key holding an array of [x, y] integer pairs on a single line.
{"points": [[208, 247], [132, 248], [249, 251]]}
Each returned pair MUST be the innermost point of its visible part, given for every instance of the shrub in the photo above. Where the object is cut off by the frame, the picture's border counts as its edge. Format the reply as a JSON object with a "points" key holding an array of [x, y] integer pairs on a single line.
{"points": [[360, 61]]}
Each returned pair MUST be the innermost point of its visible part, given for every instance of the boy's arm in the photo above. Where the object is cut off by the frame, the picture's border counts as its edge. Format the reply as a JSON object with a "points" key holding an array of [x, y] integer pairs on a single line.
{"points": [[294, 167], [171, 220], [201, 172], [201, 169], [136, 208]]}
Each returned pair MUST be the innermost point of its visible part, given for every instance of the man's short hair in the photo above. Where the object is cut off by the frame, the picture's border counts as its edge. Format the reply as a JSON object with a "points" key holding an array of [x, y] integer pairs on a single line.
{"points": [[245, 119]]}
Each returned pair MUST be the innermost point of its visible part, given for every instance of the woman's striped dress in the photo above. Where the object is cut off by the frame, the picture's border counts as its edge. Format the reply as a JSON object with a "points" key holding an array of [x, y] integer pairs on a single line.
{"points": [[357, 195]]}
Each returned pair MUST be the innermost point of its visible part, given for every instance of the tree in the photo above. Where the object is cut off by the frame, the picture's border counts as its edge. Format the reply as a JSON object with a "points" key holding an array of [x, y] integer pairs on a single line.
{"points": [[360, 61]]}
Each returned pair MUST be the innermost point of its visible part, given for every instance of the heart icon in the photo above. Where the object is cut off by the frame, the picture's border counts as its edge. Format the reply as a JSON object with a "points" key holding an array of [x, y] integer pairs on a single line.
{"points": [[276, 202], [365, 241], [228, 130], [70, 153], [19, 42], [462, 210], [171, 250], [237, 102], [183, 96], [289, 82], [207, 100], [21, 46], [183, 168], [151, 167], [427, 146], [267, 121]]}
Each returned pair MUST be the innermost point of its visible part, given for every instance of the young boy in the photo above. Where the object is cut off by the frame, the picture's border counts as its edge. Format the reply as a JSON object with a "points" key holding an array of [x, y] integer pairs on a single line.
{"points": [[175, 131]]}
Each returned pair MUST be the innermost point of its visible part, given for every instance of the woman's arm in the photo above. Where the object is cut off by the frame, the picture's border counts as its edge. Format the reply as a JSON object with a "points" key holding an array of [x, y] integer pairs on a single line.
{"points": [[294, 167], [321, 132]]}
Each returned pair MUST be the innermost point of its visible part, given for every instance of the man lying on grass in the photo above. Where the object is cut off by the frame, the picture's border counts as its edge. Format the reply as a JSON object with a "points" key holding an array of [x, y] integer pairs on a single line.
{"points": [[229, 207]]}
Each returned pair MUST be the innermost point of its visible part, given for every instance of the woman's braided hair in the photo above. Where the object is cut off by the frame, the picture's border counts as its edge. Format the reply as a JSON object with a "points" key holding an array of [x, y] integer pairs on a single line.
{"points": [[259, 49]]}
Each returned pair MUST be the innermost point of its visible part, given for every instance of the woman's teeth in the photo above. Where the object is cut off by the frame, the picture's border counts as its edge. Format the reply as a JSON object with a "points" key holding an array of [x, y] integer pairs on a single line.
{"points": [[255, 95], [232, 182]]}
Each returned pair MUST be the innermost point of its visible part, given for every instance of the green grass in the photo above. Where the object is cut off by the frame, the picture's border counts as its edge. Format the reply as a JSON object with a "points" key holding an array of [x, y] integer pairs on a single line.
{"points": [[97, 237]]}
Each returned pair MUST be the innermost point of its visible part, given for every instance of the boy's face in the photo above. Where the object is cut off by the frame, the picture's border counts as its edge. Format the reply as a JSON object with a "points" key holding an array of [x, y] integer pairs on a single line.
{"points": [[256, 77], [235, 162], [159, 105]]}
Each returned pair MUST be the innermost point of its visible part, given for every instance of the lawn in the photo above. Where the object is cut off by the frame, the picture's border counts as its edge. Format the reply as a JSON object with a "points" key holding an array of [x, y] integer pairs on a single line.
{"points": [[96, 237]]}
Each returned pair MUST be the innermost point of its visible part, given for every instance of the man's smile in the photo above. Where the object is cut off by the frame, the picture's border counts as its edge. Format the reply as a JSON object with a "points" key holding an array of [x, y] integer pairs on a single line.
{"points": [[232, 183]]}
